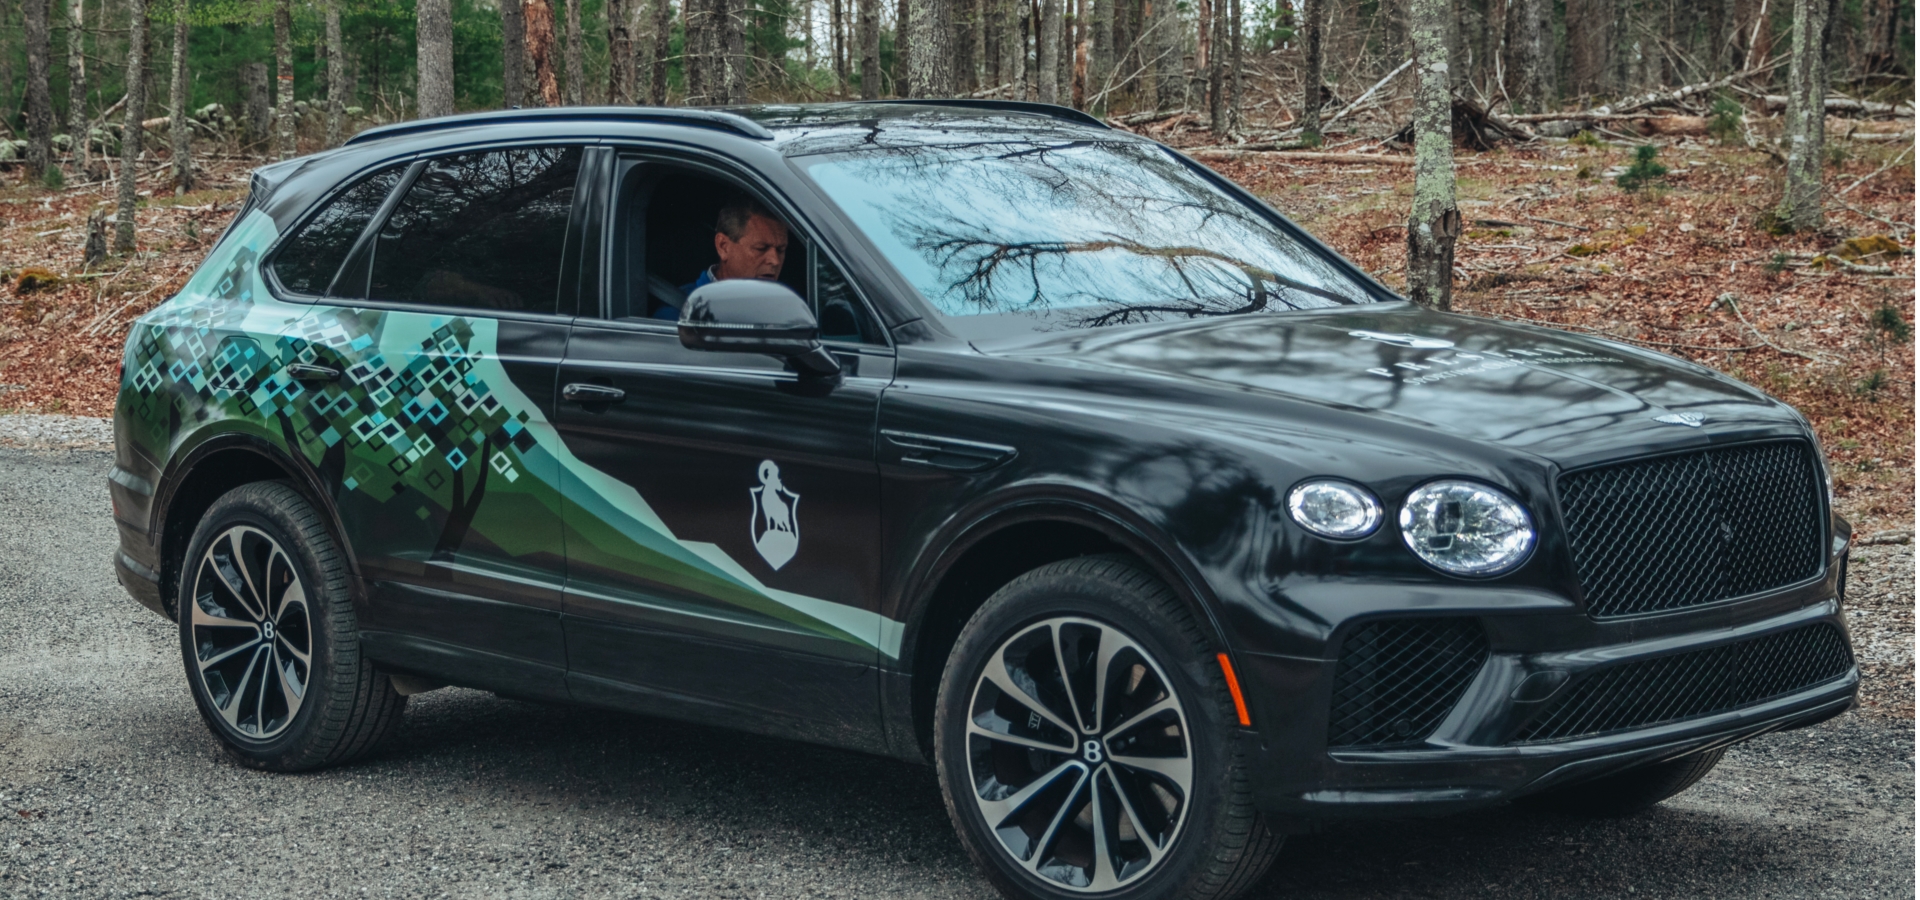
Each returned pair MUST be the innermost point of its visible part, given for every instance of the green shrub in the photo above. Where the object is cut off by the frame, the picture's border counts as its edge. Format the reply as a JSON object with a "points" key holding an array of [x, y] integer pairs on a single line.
{"points": [[1724, 123], [1644, 170]]}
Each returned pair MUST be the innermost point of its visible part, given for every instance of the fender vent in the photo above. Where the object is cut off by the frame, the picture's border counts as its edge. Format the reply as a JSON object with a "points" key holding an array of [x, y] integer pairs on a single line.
{"points": [[1398, 678]]}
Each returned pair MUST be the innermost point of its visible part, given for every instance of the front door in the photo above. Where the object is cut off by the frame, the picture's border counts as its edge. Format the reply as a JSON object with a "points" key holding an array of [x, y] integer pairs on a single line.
{"points": [[721, 530]]}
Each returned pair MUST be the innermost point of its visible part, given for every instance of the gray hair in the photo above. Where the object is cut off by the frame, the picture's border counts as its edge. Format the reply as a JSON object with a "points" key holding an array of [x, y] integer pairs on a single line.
{"points": [[733, 217]]}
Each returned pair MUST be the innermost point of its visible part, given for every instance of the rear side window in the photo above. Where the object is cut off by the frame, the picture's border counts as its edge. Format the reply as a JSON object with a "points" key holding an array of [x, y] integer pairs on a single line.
{"points": [[481, 231], [307, 263]]}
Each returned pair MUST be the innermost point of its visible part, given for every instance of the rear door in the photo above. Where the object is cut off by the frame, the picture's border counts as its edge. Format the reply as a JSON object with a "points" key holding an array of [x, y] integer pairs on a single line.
{"points": [[722, 531], [445, 327]]}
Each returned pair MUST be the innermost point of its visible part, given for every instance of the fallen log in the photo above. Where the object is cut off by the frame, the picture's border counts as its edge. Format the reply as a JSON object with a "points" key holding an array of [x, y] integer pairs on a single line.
{"points": [[1474, 128], [1847, 104], [1303, 156], [1643, 101]]}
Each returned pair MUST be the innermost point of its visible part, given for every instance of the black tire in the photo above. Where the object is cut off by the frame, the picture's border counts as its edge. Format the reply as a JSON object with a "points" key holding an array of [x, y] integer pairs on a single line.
{"points": [[1212, 844], [1629, 792], [261, 559]]}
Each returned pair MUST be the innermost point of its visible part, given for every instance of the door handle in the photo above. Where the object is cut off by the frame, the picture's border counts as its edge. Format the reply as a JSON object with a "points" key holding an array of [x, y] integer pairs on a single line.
{"points": [[308, 372], [592, 393]]}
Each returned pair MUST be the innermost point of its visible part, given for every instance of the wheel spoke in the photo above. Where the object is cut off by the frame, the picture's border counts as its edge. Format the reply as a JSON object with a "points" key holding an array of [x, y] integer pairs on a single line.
{"points": [[997, 674], [1018, 741], [231, 712], [1066, 681], [277, 607], [290, 690], [1103, 875], [1177, 769], [268, 673], [1110, 646], [204, 619], [227, 654], [1145, 714], [1060, 815], [254, 598], [1139, 826], [291, 650], [997, 811]]}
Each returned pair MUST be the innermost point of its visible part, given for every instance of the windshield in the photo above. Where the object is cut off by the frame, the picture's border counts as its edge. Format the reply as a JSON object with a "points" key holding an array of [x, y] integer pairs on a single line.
{"points": [[1006, 238]]}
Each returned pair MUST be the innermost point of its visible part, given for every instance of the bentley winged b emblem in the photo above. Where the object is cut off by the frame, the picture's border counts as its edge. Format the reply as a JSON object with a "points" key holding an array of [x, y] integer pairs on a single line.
{"points": [[1691, 420], [775, 521]]}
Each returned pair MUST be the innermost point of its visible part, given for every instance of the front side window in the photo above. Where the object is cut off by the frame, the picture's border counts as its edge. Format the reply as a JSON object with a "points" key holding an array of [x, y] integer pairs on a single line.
{"points": [[1024, 236], [308, 261], [480, 230]]}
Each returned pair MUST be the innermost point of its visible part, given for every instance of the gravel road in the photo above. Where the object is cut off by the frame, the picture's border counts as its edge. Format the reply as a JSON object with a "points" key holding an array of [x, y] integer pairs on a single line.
{"points": [[111, 787]]}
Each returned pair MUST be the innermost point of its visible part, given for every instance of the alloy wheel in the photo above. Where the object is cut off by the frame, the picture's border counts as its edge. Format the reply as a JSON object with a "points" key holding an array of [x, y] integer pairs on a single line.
{"points": [[1079, 754], [252, 632]]}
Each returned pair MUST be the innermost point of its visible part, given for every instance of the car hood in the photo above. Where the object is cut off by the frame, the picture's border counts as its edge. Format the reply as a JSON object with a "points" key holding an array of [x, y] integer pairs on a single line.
{"points": [[1562, 396]]}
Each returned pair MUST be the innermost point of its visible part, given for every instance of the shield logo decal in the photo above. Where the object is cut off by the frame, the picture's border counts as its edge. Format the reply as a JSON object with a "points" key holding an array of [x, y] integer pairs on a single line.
{"points": [[775, 521]]}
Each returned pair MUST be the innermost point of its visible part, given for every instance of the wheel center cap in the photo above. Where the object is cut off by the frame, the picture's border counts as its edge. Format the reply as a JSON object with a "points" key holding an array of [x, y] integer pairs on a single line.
{"points": [[266, 630], [1093, 751]]}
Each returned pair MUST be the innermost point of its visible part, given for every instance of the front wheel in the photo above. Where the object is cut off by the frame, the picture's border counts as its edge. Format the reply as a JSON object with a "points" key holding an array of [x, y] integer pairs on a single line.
{"points": [[268, 635], [1084, 740]]}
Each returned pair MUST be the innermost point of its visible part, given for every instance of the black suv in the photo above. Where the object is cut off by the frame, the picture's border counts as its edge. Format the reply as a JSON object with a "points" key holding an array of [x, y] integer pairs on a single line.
{"points": [[964, 432]]}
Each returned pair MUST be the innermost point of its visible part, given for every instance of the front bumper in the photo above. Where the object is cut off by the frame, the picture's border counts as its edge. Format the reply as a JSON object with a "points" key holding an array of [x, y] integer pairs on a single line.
{"points": [[1474, 759]]}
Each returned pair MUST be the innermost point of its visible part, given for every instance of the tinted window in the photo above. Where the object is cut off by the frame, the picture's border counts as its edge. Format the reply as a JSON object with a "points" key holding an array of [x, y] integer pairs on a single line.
{"points": [[481, 230], [1026, 236], [310, 258]]}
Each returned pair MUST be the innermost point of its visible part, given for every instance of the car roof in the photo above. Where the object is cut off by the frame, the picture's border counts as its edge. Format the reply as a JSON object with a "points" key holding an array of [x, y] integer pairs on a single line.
{"points": [[795, 129]]}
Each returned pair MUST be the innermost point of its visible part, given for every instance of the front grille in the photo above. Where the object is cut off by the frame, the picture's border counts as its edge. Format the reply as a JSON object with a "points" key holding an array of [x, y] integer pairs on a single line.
{"points": [[1398, 678], [1692, 528], [1693, 684]]}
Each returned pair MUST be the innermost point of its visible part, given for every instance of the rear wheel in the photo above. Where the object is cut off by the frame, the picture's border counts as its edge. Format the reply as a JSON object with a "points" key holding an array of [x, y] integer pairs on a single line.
{"points": [[269, 639], [1629, 792], [1084, 739]]}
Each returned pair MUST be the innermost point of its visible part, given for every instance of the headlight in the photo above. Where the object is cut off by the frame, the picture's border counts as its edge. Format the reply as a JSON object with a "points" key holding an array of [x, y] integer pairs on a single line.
{"points": [[1466, 528], [1334, 509]]}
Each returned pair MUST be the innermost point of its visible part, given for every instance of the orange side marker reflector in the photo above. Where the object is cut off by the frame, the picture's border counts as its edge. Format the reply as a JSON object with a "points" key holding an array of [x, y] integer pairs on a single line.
{"points": [[1233, 687]]}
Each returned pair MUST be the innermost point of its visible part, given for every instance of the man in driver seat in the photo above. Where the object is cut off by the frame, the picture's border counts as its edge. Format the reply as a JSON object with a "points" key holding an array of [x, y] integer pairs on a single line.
{"points": [[751, 243]]}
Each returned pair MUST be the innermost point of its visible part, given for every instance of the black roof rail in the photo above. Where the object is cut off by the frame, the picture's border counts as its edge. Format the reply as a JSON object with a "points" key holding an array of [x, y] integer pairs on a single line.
{"points": [[705, 118], [1063, 113]]}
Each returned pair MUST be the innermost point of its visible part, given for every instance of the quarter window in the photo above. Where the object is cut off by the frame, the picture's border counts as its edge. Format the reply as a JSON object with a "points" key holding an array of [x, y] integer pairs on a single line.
{"points": [[306, 265], [480, 230]]}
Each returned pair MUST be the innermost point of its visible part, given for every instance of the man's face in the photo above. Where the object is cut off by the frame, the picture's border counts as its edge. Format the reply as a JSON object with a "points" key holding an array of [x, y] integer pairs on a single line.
{"points": [[757, 254]]}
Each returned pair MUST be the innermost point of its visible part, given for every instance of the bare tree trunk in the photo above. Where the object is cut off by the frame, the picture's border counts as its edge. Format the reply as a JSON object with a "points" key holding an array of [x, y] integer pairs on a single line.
{"points": [[620, 57], [1806, 117], [927, 56], [1100, 67], [576, 64], [130, 138], [870, 49], [662, 48], [732, 45], [1527, 54], [513, 54], [258, 114], [1589, 46], [1313, 50], [1013, 47], [78, 123], [1215, 26], [980, 71], [39, 96], [1049, 51], [7, 107], [539, 17], [693, 53], [1435, 220], [337, 99], [283, 115], [435, 79], [1238, 66], [179, 133]]}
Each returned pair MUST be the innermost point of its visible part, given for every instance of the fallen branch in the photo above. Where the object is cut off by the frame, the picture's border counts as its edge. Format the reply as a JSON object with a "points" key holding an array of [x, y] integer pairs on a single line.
{"points": [[1863, 179], [1643, 101], [1731, 302], [1846, 104], [1369, 92], [1559, 223], [1302, 156]]}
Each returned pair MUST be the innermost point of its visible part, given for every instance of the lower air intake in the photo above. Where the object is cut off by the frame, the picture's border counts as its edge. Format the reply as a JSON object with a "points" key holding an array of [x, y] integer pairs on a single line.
{"points": [[1398, 678], [1693, 684]]}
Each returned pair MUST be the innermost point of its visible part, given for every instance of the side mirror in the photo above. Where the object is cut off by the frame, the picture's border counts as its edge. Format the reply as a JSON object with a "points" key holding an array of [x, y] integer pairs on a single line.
{"points": [[749, 315]]}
